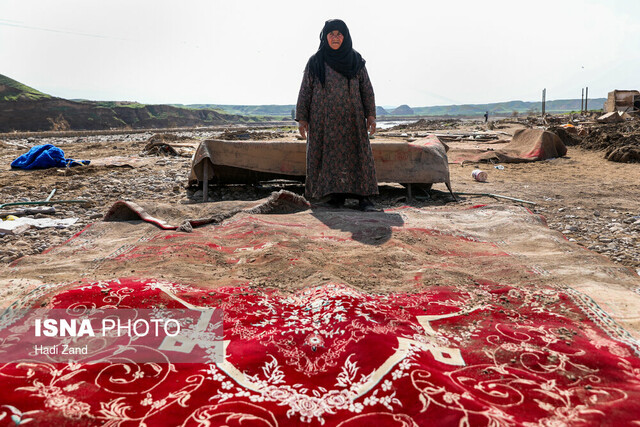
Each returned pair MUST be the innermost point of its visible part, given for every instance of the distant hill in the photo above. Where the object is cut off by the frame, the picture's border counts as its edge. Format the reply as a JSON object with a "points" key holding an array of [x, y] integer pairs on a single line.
{"points": [[498, 108], [23, 108], [381, 111], [507, 108], [403, 110], [281, 111]]}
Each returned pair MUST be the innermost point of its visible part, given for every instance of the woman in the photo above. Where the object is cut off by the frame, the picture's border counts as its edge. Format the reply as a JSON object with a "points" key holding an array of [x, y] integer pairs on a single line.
{"points": [[336, 107]]}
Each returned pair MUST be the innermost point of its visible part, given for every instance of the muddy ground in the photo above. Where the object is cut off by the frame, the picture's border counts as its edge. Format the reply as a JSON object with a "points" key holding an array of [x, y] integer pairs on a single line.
{"points": [[591, 200]]}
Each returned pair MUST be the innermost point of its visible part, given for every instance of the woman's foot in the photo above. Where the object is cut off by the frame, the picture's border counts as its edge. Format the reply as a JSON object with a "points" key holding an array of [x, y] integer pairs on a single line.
{"points": [[336, 200], [366, 205]]}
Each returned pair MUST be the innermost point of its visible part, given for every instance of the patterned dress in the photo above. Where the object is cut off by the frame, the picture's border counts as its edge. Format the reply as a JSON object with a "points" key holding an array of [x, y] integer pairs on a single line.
{"points": [[339, 158]]}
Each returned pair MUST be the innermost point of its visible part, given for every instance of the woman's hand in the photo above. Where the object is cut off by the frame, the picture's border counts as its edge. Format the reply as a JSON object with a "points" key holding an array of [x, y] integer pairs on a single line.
{"points": [[303, 127], [371, 125]]}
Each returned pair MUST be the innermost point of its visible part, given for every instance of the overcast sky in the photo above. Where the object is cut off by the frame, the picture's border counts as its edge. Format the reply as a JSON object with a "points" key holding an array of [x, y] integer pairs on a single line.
{"points": [[418, 53]]}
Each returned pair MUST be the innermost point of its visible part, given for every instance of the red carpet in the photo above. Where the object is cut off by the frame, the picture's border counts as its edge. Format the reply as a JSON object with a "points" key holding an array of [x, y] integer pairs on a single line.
{"points": [[489, 354]]}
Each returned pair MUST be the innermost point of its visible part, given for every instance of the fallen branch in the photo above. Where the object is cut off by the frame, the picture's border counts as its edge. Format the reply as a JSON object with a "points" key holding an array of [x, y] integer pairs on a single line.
{"points": [[496, 196]]}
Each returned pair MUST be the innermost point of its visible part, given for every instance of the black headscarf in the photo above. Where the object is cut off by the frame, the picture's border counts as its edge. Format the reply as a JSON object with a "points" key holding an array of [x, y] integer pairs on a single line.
{"points": [[344, 60]]}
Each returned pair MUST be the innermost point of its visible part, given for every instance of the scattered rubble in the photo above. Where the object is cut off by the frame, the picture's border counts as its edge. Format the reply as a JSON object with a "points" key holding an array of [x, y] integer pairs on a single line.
{"points": [[424, 124], [611, 233], [585, 216], [246, 134]]}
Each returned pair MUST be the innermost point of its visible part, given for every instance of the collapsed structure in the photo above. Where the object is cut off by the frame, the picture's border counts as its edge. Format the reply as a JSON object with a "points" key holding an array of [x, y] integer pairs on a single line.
{"points": [[622, 100]]}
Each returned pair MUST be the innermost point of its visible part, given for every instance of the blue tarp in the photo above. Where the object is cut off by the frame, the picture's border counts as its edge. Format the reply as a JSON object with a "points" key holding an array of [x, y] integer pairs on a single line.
{"points": [[45, 156]]}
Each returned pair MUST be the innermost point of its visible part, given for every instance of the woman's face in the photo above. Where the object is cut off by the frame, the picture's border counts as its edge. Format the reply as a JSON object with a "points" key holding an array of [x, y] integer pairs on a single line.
{"points": [[335, 39]]}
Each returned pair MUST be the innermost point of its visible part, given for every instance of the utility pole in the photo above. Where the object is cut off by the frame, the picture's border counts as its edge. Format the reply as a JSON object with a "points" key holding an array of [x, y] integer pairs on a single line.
{"points": [[544, 96], [586, 100]]}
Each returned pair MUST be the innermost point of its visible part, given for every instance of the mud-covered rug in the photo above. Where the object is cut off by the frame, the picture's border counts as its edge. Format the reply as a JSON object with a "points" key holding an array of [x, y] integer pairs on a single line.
{"points": [[410, 316]]}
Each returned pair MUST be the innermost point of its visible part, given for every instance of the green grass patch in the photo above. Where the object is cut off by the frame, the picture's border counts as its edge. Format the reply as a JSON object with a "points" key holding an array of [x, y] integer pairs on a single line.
{"points": [[19, 91], [114, 104]]}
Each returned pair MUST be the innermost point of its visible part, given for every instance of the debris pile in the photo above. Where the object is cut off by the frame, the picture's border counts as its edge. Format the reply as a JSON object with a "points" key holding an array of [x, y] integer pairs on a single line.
{"points": [[620, 141], [244, 134], [424, 124], [568, 135], [168, 144]]}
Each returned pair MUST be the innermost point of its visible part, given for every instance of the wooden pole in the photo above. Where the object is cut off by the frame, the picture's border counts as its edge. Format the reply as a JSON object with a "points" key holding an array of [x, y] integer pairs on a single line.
{"points": [[205, 180], [582, 102], [544, 96], [586, 100]]}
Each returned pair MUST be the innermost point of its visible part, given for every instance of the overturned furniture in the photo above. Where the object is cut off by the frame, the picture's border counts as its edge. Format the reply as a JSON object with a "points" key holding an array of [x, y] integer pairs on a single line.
{"points": [[423, 162]]}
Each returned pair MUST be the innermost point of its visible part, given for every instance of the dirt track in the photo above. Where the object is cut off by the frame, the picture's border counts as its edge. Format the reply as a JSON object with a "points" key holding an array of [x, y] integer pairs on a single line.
{"points": [[591, 200]]}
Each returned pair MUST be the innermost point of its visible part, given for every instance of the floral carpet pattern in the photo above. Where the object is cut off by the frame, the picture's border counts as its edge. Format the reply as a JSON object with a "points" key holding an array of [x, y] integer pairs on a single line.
{"points": [[331, 355], [472, 317]]}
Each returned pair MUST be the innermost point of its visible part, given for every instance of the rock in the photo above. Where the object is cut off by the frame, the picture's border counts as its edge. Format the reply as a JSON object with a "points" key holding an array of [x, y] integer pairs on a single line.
{"points": [[596, 213], [16, 231]]}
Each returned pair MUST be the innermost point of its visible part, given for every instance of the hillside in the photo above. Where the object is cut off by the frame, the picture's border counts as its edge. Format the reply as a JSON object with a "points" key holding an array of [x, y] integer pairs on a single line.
{"points": [[507, 108], [281, 111], [498, 108], [11, 90], [380, 111], [23, 108], [403, 110]]}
